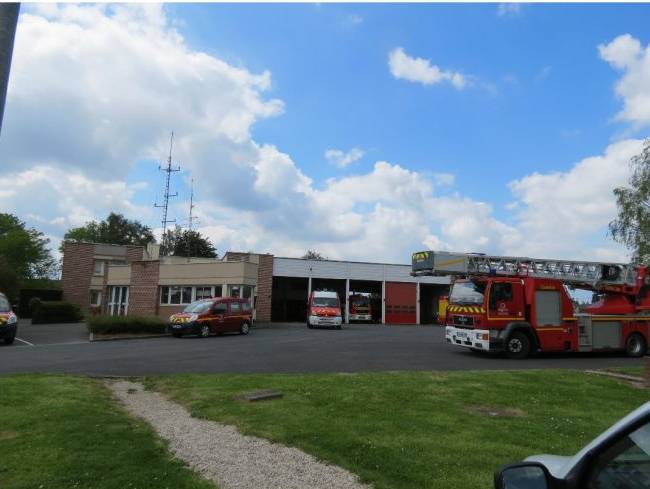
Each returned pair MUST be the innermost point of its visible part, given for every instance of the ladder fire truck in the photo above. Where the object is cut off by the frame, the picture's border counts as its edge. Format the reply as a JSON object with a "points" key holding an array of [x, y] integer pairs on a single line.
{"points": [[521, 305]]}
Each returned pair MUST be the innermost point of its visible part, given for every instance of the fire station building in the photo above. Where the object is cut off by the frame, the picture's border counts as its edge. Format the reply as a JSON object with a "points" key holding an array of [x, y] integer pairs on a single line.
{"points": [[117, 280]]}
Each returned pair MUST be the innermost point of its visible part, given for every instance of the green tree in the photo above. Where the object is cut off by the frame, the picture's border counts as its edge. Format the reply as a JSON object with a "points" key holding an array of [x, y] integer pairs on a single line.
{"points": [[313, 255], [115, 229], [632, 226], [179, 242], [24, 252]]}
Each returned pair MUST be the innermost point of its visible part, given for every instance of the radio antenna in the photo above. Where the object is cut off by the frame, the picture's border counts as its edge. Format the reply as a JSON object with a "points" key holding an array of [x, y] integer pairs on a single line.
{"points": [[168, 169]]}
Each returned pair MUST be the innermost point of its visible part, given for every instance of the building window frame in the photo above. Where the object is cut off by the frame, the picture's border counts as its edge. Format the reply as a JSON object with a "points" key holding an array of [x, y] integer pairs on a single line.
{"points": [[99, 266], [98, 298]]}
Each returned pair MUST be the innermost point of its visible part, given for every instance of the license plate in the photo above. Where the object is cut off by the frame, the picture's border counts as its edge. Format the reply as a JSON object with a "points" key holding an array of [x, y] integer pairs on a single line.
{"points": [[176, 326], [461, 334]]}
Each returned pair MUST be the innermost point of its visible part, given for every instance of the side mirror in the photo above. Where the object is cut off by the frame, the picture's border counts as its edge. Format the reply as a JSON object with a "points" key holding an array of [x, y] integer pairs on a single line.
{"points": [[526, 475]]}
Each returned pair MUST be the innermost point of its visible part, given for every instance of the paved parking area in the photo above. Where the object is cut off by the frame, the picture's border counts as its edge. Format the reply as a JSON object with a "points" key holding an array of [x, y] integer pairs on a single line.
{"points": [[49, 334], [280, 348]]}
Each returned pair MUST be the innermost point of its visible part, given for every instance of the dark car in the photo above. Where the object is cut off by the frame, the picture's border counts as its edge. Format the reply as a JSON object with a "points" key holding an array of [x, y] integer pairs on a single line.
{"points": [[618, 459], [207, 316], [8, 321]]}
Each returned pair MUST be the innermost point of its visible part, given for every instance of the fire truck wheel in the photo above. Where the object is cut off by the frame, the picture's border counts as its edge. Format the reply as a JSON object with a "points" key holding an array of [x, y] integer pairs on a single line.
{"points": [[518, 345], [635, 346]]}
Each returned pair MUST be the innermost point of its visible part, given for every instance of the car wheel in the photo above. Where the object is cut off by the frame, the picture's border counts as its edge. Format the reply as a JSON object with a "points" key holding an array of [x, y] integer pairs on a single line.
{"points": [[518, 345], [635, 346], [9, 339], [339, 326], [309, 325], [244, 328], [204, 332]]}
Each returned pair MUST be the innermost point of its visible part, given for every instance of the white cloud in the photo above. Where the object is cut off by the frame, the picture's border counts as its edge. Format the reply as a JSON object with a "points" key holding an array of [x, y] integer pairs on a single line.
{"points": [[420, 70], [343, 159], [118, 76], [508, 9], [626, 54]]}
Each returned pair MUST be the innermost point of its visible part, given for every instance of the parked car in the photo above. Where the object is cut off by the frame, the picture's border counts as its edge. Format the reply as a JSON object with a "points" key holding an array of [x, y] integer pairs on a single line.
{"points": [[217, 315], [324, 309], [8, 321], [618, 459]]}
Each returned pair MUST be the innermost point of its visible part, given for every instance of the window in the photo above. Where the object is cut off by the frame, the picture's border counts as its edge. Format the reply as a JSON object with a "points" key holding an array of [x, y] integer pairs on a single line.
{"points": [[247, 291], [164, 295], [218, 291], [246, 307], [234, 291], [203, 293], [220, 308], [500, 292], [98, 267], [4, 304], [625, 464], [180, 295], [235, 307], [95, 297]]}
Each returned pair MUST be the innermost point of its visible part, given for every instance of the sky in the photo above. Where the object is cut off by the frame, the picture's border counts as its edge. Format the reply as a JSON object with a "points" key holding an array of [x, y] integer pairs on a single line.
{"points": [[365, 132]]}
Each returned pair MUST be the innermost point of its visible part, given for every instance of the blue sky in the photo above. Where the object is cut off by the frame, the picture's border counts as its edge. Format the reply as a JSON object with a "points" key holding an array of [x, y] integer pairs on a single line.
{"points": [[538, 97]]}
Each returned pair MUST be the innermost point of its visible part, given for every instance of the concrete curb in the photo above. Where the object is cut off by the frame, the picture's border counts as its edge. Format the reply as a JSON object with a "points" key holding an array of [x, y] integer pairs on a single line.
{"points": [[614, 375], [93, 339]]}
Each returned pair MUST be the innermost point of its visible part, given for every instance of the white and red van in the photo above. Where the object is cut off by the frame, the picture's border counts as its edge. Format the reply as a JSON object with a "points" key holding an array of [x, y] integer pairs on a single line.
{"points": [[324, 309]]}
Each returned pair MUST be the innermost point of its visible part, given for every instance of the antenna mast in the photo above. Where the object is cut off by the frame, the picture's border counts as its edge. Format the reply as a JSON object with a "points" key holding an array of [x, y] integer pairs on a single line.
{"points": [[165, 205], [190, 220]]}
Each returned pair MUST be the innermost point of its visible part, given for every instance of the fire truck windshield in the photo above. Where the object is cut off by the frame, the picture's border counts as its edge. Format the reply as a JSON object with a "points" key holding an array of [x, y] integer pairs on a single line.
{"points": [[325, 302], [467, 293]]}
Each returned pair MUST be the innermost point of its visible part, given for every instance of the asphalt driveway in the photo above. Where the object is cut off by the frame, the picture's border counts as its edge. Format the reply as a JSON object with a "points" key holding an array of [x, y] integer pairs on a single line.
{"points": [[281, 348], [48, 334]]}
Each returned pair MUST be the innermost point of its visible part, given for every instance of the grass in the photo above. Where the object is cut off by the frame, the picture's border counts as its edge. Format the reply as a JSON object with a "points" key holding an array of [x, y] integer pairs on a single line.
{"points": [[406, 430], [66, 432]]}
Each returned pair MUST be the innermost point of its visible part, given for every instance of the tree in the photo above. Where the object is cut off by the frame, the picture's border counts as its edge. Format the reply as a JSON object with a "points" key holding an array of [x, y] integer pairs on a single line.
{"points": [[187, 242], [24, 252], [115, 229], [632, 226], [313, 255]]}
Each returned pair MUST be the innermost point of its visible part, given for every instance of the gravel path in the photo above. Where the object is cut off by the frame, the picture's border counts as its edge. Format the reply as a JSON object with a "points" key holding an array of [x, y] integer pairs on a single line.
{"points": [[220, 453]]}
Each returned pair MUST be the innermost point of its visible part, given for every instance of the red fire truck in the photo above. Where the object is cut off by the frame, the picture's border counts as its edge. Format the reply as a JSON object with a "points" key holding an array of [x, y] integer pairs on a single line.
{"points": [[521, 305], [360, 309]]}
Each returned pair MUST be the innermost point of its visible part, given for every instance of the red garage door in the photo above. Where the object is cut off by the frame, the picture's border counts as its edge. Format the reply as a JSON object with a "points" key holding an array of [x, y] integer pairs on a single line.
{"points": [[400, 303]]}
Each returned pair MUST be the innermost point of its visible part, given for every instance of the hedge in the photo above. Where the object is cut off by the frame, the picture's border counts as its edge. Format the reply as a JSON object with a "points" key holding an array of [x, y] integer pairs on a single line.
{"points": [[55, 312], [125, 324]]}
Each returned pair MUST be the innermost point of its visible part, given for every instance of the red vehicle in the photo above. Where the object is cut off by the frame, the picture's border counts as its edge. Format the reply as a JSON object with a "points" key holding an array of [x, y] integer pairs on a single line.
{"points": [[521, 305], [324, 309], [360, 309], [207, 316]]}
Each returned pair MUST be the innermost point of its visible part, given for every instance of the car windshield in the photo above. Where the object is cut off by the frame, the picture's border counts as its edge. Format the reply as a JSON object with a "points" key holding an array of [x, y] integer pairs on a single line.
{"points": [[467, 293], [361, 301], [325, 302], [198, 307], [4, 304]]}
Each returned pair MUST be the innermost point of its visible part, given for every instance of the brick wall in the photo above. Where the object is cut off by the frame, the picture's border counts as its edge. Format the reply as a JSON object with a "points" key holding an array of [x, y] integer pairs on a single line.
{"points": [[134, 253], [264, 288], [76, 272], [143, 292]]}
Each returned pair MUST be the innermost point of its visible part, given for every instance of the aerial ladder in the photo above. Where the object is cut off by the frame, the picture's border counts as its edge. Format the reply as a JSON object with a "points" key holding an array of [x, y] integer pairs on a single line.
{"points": [[620, 313]]}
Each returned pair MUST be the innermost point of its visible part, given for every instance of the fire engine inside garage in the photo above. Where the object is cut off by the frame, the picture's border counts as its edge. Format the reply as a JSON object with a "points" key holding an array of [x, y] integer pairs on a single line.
{"points": [[392, 294]]}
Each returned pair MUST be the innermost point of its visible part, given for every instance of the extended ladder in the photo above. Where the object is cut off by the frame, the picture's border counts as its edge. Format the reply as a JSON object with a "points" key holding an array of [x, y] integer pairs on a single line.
{"points": [[590, 274]]}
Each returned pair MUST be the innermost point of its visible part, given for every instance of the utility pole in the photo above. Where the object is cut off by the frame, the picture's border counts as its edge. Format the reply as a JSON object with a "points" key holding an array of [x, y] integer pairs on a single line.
{"points": [[8, 21], [165, 205]]}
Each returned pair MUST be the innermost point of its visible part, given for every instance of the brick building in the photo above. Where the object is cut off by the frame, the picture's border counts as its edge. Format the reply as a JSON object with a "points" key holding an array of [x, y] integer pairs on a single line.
{"points": [[116, 280]]}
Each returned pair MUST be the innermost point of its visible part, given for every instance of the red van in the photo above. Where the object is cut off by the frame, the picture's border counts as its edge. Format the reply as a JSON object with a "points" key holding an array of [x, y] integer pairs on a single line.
{"points": [[207, 316], [324, 309]]}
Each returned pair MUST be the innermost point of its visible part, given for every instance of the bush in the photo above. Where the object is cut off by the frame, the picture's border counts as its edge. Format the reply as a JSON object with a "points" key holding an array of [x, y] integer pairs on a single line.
{"points": [[126, 324], [55, 312]]}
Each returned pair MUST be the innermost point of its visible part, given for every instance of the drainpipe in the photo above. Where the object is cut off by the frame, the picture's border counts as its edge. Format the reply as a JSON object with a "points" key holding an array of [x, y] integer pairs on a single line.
{"points": [[8, 21]]}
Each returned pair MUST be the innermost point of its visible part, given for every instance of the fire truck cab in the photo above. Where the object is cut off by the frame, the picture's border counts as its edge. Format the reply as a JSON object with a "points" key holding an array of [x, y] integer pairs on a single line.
{"points": [[520, 306]]}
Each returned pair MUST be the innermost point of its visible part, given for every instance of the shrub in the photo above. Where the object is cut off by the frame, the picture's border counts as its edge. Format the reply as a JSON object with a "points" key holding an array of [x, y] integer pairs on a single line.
{"points": [[55, 312], [126, 324]]}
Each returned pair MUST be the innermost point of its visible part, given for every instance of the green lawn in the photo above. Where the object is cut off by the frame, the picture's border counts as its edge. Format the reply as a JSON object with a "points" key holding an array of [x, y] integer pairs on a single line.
{"points": [[634, 371], [416, 430], [66, 432]]}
